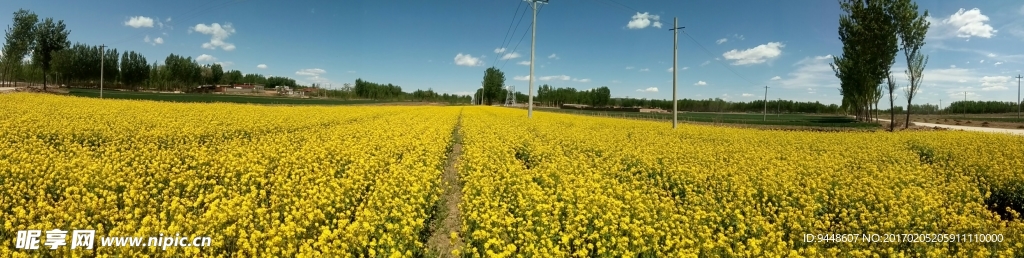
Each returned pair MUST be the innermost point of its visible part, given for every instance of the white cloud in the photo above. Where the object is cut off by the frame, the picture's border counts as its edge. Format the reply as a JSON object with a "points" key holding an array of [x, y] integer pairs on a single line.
{"points": [[311, 72], [225, 64], [217, 34], [499, 50], [651, 89], [512, 55], [738, 36], [991, 55], [720, 41], [261, 66], [168, 19], [154, 42], [686, 67], [643, 20], [669, 69], [580, 80], [990, 83], [206, 58], [644, 70], [998, 63], [705, 63], [139, 22], [555, 77], [522, 78], [553, 56], [700, 83], [616, 81], [629, 68], [755, 55], [776, 78], [748, 95], [524, 62], [962, 24], [811, 72], [467, 60], [952, 66], [961, 81], [982, 61]]}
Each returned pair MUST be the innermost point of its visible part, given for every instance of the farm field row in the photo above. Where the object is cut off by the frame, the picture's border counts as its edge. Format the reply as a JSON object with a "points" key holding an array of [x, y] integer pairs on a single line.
{"points": [[806, 120], [258, 180], [212, 98], [562, 185], [358, 181]]}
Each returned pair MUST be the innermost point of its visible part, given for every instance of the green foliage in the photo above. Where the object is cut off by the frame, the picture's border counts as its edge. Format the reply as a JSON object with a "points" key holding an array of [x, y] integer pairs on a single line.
{"points": [[19, 40], [912, 28], [557, 96], [216, 73], [493, 84], [50, 38], [369, 90], [868, 32], [134, 69]]}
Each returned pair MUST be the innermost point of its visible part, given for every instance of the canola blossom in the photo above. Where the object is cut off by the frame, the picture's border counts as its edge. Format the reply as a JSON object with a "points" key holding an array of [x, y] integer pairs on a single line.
{"points": [[260, 181], [560, 185], [364, 181]]}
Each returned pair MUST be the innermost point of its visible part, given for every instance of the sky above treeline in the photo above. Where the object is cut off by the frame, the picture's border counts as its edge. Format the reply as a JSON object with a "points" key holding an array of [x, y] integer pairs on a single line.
{"points": [[730, 49]]}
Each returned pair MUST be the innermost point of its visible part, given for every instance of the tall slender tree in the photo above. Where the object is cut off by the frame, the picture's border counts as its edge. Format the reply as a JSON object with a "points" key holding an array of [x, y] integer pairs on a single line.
{"points": [[911, 28], [494, 82], [50, 38], [19, 40], [869, 41]]}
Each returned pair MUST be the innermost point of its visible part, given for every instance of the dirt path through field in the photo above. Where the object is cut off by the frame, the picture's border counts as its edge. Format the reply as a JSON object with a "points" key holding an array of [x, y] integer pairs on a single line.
{"points": [[969, 128], [448, 219]]}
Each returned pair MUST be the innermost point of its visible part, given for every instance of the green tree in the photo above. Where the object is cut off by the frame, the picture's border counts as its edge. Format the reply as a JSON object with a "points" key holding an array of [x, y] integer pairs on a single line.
{"points": [[50, 38], [217, 73], [868, 33], [494, 82], [134, 69], [19, 40], [911, 28]]}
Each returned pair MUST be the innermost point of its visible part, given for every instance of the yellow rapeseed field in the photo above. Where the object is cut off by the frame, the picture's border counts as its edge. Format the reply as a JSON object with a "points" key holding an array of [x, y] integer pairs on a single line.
{"points": [[562, 185], [260, 181], [362, 181]]}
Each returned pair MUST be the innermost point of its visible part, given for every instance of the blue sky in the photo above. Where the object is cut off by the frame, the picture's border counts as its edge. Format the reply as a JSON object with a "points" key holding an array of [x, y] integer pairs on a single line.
{"points": [[973, 46]]}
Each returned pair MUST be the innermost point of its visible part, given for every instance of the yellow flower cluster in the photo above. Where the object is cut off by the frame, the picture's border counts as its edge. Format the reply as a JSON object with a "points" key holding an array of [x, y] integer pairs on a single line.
{"points": [[258, 180], [561, 185]]}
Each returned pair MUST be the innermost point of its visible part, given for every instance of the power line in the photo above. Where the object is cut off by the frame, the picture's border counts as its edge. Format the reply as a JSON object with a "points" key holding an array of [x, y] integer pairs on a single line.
{"points": [[520, 39], [694, 41], [507, 38], [717, 61], [627, 7], [187, 16]]}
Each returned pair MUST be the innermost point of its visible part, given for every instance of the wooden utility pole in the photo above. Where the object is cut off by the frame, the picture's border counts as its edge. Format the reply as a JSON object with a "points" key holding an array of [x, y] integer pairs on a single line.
{"points": [[102, 60], [765, 118], [1018, 97], [675, 70]]}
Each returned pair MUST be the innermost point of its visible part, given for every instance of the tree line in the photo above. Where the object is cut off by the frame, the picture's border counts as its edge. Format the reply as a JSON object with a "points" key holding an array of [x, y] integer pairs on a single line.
{"points": [[873, 32]]}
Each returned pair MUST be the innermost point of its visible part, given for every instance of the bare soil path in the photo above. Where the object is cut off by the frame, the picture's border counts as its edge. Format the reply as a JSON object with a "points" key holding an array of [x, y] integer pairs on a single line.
{"points": [[448, 219]]}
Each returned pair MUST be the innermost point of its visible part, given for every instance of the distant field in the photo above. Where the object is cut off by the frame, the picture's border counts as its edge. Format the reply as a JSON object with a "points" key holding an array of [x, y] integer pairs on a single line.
{"points": [[735, 118], [1008, 120], [209, 98]]}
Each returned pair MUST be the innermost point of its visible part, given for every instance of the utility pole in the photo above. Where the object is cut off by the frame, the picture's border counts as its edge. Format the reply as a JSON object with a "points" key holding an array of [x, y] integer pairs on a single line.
{"points": [[533, 51], [102, 60], [1018, 96], [765, 118], [675, 70]]}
